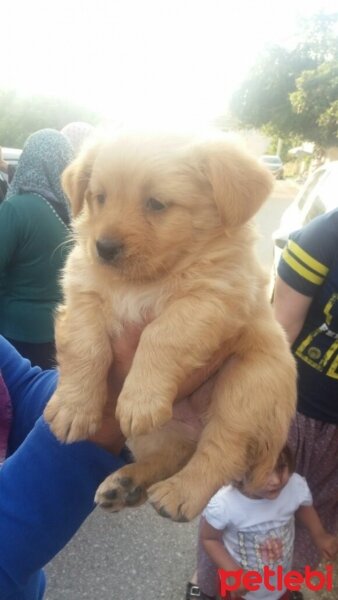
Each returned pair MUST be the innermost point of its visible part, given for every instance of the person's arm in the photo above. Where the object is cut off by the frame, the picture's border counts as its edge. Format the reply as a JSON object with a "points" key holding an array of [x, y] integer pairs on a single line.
{"points": [[290, 308], [11, 233], [46, 488], [303, 268], [211, 539], [30, 388], [325, 542], [24, 383], [46, 492]]}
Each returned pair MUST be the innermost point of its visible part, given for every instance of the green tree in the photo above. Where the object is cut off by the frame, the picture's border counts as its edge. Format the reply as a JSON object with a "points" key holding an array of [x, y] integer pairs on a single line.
{"points": [[20, 116], [315, 101], [293, 93], [264, 98]]}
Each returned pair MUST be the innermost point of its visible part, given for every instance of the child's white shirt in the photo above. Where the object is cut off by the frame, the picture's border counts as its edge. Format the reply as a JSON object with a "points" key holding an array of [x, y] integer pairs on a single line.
{"points": [[259, 532]]}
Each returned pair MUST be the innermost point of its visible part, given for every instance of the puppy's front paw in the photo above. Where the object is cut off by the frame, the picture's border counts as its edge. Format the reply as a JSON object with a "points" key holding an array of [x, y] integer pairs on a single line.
{"points": [[139, 413], [121, 490], [175, 500], [71, 423]]}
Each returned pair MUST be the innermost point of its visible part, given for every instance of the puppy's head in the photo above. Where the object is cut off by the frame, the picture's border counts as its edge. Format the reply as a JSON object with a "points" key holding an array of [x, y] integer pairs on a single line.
{"points": [[143, 203]]}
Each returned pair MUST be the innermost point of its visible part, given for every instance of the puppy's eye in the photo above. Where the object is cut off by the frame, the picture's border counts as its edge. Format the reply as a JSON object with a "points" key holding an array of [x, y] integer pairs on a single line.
{"points": [[101, 198], [155, 205]]}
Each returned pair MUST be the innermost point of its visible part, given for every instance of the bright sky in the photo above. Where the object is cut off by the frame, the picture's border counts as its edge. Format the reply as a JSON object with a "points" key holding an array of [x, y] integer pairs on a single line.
{"points": [[143, 61]]}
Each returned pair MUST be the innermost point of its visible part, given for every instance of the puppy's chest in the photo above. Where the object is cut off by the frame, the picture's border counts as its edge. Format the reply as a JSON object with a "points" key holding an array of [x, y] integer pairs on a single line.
{"points": [[133, 305]]}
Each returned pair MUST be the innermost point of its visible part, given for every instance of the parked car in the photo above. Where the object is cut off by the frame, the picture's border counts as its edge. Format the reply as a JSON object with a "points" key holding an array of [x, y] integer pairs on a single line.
{"points": [[274, 164], [318, 195], [11, 157]]}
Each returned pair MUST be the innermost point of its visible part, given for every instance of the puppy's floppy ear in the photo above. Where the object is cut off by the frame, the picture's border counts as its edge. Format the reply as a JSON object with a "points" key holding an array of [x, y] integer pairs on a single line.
{"points": [[239, 183], [75, 178]]}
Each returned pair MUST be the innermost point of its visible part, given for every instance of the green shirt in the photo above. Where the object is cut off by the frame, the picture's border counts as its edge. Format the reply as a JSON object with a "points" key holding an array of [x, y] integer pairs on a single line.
{"points": [[33, 249]]}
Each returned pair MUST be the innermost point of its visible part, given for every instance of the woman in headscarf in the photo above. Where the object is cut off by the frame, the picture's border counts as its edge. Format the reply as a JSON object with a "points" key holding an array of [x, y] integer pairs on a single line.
{"points": [[35, 240]]}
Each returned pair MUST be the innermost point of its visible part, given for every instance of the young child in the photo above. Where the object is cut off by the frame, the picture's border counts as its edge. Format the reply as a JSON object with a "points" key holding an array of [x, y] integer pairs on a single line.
{"points": [[249, 531]]}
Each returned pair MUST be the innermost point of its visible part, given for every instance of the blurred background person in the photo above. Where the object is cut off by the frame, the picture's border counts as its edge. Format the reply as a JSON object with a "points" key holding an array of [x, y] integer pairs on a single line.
{"points": [[77, 133], [6, 167], [35, 238], [306, 305], [6, 175]]}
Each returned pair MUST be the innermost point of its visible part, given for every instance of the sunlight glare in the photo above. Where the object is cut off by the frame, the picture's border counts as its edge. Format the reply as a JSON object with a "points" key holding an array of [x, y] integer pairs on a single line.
{"points": [[172, 62]]}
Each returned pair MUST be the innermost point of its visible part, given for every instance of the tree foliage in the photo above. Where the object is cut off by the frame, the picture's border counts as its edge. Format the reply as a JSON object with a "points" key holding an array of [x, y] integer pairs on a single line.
{"points": [[294, 93], [21, 115], [316, 102]]}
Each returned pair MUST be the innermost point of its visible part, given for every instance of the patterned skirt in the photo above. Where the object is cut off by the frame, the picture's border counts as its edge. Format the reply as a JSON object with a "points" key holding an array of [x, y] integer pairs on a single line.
{"points": [[315, 449]]}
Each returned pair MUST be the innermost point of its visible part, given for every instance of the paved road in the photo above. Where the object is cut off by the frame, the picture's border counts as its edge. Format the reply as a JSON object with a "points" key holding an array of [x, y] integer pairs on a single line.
{"points": [[138, 555], [267, 219]]}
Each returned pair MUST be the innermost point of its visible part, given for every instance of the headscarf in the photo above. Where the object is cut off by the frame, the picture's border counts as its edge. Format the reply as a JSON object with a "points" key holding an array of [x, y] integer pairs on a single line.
{"points": [[44, 157], [77, 133]]}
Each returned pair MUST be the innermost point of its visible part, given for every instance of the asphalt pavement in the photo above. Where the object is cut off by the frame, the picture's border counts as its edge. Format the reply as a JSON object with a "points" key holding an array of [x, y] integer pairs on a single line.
{"points": [[137, 555], [131, 555]]}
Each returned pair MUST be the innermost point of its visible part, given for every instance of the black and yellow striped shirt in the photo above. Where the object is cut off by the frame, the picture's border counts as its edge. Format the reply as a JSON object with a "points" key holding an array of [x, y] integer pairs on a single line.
{"points": [[309, 264]]}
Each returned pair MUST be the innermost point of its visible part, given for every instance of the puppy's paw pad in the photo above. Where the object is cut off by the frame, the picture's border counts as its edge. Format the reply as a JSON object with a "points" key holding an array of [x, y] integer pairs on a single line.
{"points": [[118, 492]]}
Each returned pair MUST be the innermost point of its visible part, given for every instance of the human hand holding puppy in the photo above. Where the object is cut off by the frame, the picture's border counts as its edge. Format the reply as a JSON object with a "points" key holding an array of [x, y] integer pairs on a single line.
{"points": [[192, 400]]}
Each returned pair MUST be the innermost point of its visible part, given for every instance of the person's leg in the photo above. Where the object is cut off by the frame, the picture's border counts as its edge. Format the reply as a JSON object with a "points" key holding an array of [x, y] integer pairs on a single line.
{"points": [[203, 583], [292, 596], [192, 591], [315, 448], [207, 576]]}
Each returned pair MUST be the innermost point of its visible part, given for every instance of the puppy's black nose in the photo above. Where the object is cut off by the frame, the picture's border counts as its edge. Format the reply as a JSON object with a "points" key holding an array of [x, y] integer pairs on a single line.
{"points": [[109, 248]]}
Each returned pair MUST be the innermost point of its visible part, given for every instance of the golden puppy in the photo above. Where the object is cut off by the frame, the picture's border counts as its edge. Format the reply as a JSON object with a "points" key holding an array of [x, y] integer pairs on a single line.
{"points": [[162, 234]]}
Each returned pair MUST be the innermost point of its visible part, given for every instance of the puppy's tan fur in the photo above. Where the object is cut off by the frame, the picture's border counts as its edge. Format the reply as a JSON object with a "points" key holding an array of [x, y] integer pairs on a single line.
{"points": [[190, 269]]}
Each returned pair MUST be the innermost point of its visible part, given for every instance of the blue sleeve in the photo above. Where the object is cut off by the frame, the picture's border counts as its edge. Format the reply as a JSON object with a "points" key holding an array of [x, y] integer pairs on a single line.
{"points": [[46, 492], [46, 488]]}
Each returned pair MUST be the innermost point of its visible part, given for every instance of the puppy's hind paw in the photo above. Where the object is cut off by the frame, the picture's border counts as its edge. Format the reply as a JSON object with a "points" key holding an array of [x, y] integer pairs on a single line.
{"points": [[120, 491], [172, 500]]}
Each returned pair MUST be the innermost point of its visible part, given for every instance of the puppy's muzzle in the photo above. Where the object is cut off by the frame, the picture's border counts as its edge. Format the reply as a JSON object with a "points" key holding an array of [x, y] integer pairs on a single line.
{"points": [[109, 249]]}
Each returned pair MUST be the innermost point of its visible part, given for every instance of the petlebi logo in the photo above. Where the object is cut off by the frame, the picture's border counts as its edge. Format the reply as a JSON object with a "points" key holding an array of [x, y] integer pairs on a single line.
{"points": [[251, 581]]}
